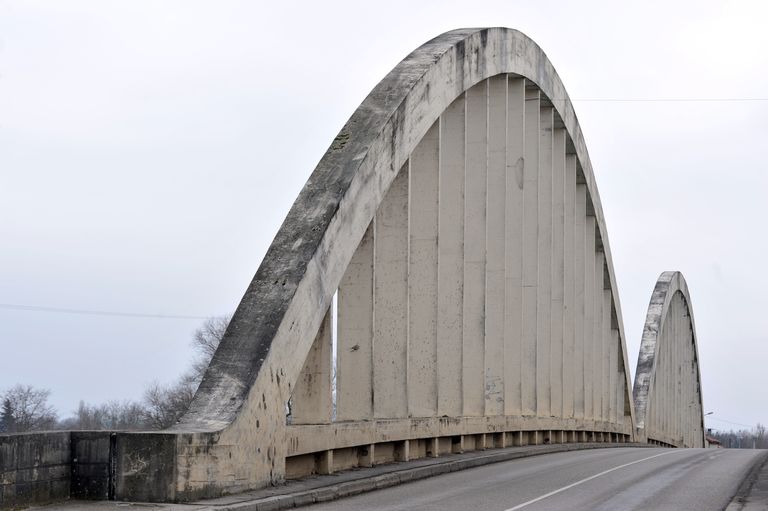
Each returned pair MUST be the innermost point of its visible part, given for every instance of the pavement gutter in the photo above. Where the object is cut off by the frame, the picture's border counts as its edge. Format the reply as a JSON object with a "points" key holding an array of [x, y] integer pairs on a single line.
{"points": [[355, 482], [752, 493]]}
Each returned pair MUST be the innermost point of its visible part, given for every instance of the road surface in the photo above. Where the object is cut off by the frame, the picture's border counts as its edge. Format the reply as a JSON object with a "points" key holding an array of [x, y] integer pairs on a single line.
{"points": [[602, 479]]}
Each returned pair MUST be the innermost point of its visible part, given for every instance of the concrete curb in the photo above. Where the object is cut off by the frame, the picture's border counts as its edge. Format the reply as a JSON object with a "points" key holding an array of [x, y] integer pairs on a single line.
{"points": [[741, 500], [363, 485]]}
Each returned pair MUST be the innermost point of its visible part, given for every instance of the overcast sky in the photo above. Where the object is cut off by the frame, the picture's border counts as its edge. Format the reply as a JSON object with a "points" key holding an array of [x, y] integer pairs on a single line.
{"points": [[149, 151]]}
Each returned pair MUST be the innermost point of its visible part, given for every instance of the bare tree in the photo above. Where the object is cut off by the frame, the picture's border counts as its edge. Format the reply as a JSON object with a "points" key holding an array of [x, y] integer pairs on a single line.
{"points": [[166, 404], [126, 415], [205, 341], [26, 408]]}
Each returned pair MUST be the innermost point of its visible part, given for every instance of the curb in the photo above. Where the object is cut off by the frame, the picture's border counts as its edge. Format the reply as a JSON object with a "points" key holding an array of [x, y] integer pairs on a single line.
{"points": [[367, 484], [740, 500]]}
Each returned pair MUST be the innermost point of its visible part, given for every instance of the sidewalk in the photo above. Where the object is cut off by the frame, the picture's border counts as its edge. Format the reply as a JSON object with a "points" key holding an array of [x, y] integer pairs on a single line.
{"points": [[342, 484], [753, 493]]}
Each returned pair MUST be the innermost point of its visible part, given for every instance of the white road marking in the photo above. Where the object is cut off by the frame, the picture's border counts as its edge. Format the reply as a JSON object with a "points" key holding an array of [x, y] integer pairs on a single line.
{"points": [[524, 504]]}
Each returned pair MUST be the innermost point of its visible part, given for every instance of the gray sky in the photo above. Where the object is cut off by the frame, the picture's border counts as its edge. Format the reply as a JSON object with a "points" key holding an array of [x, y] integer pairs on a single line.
{"points": [[149, 151]]}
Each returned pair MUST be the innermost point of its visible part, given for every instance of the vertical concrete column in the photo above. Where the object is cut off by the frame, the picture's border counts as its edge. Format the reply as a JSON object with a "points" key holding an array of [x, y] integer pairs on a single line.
{"points": [[590, 380], [475, 177], [422, 276], [402, 451], [513, 251], [495, 244], [367, 455], [663, 372], [579, 290], [690, 383], [354, 349], [324, 462], [667, 399], [609, 391], [311, 399], [621, 396], [685, 402], [390, 312], [679, 412], [530, 247], [433, 447], [450, 266], [597, 339], [570, 385], [558, 272], [615, 375], [544, 294]]}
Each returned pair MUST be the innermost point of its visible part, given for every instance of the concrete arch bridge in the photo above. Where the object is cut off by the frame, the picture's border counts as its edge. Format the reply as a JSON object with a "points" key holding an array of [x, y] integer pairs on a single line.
{"points": [[457, 221]]}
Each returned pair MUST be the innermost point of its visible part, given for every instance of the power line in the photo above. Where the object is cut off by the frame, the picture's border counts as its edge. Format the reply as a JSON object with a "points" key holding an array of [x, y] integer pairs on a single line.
{"points": [[668, 100], [731, 422], [87, 312]]}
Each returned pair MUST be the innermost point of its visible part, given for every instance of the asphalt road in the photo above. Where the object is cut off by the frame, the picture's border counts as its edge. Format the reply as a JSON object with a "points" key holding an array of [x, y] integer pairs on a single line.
{"points": [[603, 479]]}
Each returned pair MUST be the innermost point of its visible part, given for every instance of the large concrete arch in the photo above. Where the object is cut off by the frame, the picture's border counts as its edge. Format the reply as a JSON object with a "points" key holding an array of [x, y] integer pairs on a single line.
{"points": [[235, 415], [457, 220], [667, 390]]}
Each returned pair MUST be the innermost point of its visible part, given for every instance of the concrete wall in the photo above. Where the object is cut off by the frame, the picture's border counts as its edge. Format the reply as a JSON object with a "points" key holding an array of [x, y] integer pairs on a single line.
{"points": [[39, 468], [35, 468]]}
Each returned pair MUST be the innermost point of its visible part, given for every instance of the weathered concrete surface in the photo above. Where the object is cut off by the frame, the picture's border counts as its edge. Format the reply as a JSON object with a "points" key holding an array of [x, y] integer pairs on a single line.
{"points": [[234, 436], [325, 489], [34, 468], [667, 390], [457, 216], [92, 454], [752, 495]]}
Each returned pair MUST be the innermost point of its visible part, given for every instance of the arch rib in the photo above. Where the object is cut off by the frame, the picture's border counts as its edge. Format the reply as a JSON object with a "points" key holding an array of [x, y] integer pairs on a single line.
{"points": [[667, 378], [234, 437]]}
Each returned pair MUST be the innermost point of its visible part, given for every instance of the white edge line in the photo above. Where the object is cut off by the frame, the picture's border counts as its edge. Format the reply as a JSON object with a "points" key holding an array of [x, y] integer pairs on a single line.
{"points": [[546, 495]]}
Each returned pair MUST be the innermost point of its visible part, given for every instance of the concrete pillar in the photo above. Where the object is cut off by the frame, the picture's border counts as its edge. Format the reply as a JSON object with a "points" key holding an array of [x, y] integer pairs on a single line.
{"points": [[513, 252], [457, 444], [450, 266], [495, 244], [530, 249], [622, 387], [544, 294], [422, 276], [367, 455], [312, 399], [597, 339], [605, 345], [570, 361], [590, 380], [558, 272], [390, 391], [354, 349], [402, 450], [607, 369], [324, 462], [473, 344], [579, 290], [615, 375], [433, 447]]}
